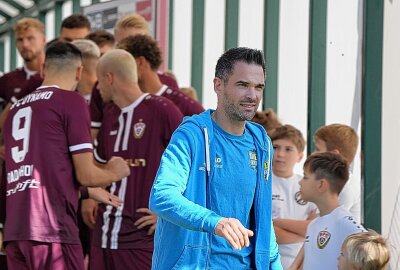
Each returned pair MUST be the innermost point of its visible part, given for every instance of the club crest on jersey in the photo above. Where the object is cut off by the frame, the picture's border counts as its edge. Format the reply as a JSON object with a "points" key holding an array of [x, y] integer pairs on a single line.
{"points": [[253, 159], [138, 129], [323, 239]]}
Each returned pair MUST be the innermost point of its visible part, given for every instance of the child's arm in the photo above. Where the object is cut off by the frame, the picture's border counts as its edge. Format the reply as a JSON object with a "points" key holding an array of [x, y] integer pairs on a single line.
{"points": [[298, 227], [286, 237], [298, 261], [295, 226]]}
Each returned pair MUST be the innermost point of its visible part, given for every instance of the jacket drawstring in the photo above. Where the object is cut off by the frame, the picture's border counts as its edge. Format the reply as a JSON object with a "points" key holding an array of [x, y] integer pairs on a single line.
{"points": [[208, 165]]}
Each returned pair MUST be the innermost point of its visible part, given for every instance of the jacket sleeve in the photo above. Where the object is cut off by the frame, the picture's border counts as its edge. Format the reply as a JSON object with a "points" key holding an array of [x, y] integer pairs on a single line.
{"points": [[167, 197], [274, 256]]}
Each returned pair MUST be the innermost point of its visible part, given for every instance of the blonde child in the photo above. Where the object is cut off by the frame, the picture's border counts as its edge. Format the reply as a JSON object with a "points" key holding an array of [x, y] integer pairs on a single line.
{"points": [[364, 251]]}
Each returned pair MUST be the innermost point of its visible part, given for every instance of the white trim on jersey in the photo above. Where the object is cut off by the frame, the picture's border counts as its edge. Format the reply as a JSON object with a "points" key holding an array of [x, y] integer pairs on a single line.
{"points": [[162, 90], [125, 125], [94, 124], [128, 127], [97, 157], [106, 219], [48, 86], [119, 134], [133, 105], [81, 146], [118, 215]]}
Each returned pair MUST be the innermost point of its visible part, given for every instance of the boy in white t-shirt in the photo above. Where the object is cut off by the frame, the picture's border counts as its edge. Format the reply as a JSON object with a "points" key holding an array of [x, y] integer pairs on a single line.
{"points": [[290, 213], [325, 174], [343, 140]]}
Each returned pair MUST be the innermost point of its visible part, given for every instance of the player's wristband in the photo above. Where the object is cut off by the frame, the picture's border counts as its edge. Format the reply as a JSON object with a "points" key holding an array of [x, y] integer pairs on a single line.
{"points": [[84, 193]]}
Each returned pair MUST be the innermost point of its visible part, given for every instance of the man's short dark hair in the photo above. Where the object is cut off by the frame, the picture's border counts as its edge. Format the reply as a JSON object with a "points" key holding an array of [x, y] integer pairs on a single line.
{"points": [[330, 166], [62, 52], [76, 21], [226, 62], [143, 45], [101, 37]]}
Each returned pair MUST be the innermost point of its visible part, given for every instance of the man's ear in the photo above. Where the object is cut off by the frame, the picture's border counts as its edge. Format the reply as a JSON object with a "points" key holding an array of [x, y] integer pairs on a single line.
{"points": [[78, 75], [109, 77], [42, 70], [218, 82], [336, 151], [300, 156], [141, 61]]}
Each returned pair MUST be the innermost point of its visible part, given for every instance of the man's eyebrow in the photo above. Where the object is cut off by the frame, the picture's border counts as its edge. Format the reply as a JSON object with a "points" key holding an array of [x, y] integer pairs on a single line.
{"points": [[242, 82]]}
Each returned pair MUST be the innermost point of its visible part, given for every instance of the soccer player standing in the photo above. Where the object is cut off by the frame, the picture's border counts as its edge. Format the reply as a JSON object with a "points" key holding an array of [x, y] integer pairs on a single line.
{"points": [[48, 143], [138, 131]]}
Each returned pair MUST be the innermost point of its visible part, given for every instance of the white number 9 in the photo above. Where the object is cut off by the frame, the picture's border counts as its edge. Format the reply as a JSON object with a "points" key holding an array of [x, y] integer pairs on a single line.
{"points": [[21, 133]]}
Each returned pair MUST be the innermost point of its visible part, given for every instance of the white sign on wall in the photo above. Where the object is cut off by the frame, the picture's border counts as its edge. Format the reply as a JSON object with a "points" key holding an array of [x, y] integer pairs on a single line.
{"points": [[105, 15]]}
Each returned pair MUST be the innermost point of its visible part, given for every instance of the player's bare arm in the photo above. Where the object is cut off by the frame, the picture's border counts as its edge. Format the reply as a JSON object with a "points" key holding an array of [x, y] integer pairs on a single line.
{"points": [[234, 232], [103, 196], [1, 241], [89, 174], [89, 210]]}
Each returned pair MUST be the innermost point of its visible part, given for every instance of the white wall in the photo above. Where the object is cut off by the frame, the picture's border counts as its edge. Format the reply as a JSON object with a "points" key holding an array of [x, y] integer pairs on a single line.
{"points": [[182, 41], [214, 44], [293, 66], [391, 114]]}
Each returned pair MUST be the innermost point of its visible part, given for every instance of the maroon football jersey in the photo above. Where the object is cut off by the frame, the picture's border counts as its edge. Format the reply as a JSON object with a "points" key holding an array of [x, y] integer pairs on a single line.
{"points": [[187, 105], [168, 80], [96, 102], [42, 132], [18, 83], [139, 133]]}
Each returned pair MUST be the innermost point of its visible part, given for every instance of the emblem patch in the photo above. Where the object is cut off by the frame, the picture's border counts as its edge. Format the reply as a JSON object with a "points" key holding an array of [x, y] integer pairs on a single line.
{"points": [[266, 170], [138, 129], [323, 239], [253, 159], [299, 199]]}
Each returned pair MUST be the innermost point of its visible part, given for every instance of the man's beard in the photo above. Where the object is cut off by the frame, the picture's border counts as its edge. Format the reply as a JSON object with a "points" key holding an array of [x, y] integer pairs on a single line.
{"points": [[234, 113]]}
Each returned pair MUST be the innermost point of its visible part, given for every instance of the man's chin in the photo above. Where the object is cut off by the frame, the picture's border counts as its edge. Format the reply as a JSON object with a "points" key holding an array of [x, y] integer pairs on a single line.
{"points": [[27, 59]]}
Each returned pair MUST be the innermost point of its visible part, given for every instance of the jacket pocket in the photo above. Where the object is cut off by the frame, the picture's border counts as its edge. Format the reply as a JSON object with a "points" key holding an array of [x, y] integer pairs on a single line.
{"points": [[192, 257]]}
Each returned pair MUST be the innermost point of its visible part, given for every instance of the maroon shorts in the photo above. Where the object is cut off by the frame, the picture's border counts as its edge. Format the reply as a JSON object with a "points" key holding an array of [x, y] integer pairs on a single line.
{"points": [[110, 259], [23, 255]]}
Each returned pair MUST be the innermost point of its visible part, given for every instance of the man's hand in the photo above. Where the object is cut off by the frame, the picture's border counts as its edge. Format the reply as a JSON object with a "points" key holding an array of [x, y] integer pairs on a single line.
{"points": [[234, 232], [148, 220], [89, 212], [103, 196], [119, 167], [2, 250]]}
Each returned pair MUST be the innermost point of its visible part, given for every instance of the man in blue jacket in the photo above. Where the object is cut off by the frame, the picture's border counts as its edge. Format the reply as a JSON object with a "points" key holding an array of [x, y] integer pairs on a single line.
{"points": [[212, 192]]}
